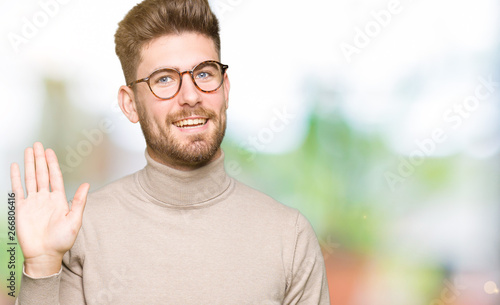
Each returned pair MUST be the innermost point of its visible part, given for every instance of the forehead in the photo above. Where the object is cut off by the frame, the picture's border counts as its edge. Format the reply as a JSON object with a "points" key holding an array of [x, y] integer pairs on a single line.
{"points": [[181, 51]]}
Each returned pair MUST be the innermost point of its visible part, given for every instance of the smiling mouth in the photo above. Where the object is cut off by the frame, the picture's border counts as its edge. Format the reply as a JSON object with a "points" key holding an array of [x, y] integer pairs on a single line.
{"points": [[190, 123]]}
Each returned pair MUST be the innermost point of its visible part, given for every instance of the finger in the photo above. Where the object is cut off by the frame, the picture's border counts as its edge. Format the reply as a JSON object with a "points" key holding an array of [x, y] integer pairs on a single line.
{"points": [[78, 203], [15, 179], [29, 171], [42, 172], [55, 175]]}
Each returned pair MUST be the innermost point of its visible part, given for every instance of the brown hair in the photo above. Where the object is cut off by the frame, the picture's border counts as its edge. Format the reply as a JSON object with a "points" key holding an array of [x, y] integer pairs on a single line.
{"points": [[151, 19]]}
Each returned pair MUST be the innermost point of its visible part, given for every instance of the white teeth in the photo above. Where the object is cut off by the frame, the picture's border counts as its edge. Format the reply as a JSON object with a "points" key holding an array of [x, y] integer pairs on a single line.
{"points": [[190, 123]]}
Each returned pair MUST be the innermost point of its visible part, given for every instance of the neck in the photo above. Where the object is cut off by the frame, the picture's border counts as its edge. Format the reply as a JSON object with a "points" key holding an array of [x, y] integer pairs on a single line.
{"points": [[175, 187]]}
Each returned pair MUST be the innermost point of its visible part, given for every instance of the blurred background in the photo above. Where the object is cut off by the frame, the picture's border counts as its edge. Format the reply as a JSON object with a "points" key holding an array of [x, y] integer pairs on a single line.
{"points": [[378, 120]]}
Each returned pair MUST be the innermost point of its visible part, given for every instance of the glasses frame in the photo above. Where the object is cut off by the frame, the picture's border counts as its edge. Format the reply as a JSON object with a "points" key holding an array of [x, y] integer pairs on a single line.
{"points": [[181, 74]]}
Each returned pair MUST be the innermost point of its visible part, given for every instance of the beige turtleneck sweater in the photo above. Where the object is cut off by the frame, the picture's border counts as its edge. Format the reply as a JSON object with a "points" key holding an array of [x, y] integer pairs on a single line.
{"points": [[163, 236]]}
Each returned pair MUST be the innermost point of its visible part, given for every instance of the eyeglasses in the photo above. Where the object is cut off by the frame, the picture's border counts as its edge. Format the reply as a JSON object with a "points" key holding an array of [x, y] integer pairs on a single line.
{"points": [[165, 83]]}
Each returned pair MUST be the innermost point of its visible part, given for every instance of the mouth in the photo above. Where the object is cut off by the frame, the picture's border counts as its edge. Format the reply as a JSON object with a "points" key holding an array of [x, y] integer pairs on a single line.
{"points": [[190, 123]]}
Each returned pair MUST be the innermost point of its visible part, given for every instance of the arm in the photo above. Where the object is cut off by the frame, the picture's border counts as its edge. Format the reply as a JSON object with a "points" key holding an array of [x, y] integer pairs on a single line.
{"points": [[308, 283], [47, 227]]}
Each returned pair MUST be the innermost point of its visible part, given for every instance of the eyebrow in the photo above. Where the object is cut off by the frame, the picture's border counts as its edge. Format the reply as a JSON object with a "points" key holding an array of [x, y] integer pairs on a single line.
{"points": [[165, 67], [177, 67]]}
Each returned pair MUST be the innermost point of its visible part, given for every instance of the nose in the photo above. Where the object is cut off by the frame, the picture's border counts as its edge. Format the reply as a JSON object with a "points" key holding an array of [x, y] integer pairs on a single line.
{"points": [[189, 94]]}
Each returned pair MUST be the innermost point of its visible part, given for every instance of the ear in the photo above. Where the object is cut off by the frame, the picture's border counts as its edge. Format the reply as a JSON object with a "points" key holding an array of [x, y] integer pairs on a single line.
{"points": [[227, 86], [126, 100]]}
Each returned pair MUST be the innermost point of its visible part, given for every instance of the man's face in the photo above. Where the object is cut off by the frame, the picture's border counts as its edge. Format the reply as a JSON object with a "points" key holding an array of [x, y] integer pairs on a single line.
{"points": [[163, 122]]}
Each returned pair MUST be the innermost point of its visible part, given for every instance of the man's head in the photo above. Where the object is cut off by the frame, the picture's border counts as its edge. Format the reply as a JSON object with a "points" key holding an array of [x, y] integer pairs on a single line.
{"points": [[173, 34]]}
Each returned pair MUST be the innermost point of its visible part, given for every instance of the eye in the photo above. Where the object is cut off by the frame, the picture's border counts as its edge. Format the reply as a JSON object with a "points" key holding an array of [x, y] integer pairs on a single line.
{"points": [[164, 80], [203, 75]]}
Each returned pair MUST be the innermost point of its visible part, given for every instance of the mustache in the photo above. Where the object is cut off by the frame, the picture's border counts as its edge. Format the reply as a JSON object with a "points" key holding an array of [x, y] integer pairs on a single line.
{"points": [[184, 113]]}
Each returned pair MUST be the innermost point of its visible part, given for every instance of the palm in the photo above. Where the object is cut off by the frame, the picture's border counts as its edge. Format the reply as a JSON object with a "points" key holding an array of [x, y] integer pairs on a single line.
{"points": [[46, 227], [42, 226]]}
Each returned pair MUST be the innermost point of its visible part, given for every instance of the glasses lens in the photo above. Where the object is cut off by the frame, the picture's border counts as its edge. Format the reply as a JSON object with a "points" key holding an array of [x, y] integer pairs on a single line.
{"points": [[208, 76], [165, 83]]}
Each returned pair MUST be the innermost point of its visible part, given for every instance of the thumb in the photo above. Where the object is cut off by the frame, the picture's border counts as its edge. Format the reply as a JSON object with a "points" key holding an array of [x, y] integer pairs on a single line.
{"points": [[78, 203]]}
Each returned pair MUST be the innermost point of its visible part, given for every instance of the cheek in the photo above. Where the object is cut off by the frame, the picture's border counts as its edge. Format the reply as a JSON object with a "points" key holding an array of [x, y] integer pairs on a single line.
{"points": [[160, 119], [219, 103], [158, 110], [151, 116]]}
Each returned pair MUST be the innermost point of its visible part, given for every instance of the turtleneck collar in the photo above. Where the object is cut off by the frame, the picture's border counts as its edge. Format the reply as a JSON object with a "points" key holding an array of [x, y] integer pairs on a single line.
{"points": [[183, 189]]}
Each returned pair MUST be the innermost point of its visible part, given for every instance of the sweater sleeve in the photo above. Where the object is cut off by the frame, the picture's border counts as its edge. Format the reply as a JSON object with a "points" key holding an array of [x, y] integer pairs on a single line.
{"points": [[43, 290], [307, 283], [63, 288]]}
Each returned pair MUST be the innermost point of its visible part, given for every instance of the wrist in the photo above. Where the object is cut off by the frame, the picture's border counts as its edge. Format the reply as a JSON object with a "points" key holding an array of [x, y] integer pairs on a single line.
{"points": [[42, 266]]}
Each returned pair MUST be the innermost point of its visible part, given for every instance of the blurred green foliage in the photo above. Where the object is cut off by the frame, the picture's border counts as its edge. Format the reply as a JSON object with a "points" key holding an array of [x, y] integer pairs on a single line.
{"points": [[331, 178], [336, 179]]}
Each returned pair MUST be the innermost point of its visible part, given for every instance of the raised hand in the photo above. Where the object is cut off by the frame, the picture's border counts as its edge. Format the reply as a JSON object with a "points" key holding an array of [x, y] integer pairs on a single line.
{"points": [[46, 227]]}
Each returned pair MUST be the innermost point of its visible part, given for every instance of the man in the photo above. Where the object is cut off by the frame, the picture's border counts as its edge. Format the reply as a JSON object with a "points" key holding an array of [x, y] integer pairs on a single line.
{"points": [[179, 231]]}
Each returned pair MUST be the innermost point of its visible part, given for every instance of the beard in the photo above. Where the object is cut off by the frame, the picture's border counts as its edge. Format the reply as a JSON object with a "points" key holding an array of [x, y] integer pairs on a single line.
{"points": [[194, 150]]}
